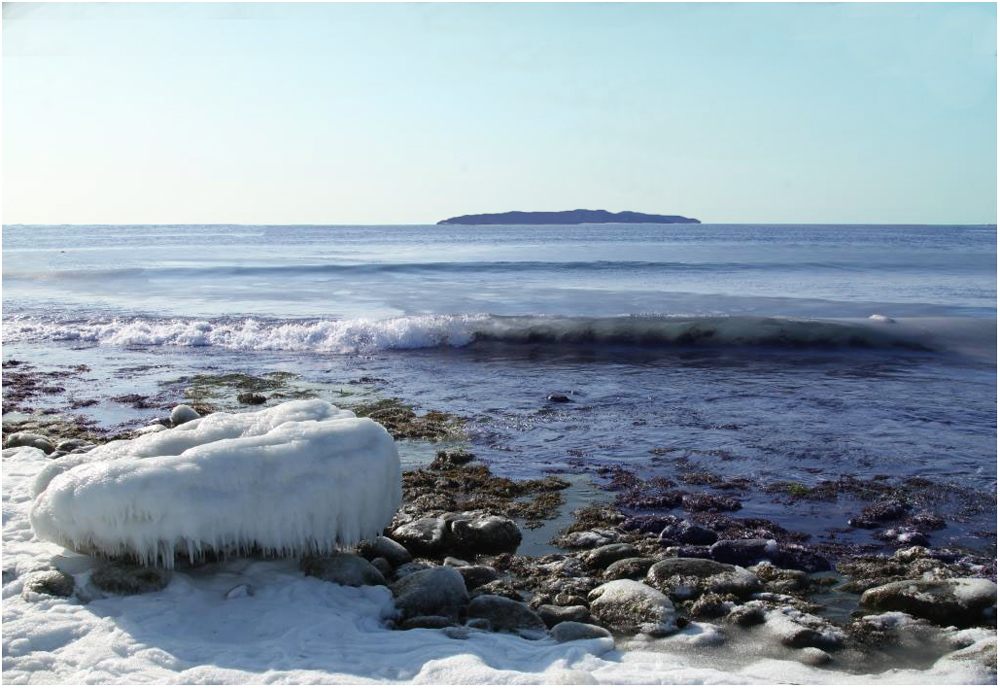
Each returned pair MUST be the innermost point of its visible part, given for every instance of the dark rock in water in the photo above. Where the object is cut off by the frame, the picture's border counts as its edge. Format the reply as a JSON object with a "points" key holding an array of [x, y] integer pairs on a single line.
{"points": [[689, 578], [447, 459], [632, 607], [743, 552], [424, 536], [927, 521], [602, 557], [438, 591], [710, 503], [663, 500], [953, 601], [507, 615], [687, 533], [388, 549], [872, 516], [54, 583], [559, 398], [477, 575], [797, 557], [566, 217], [426, 622], [649, 524], [553, 614], [568, 631], [127, 579], [251, 398], [29, 439], [634, 568], [904, 537], [484, 534], [343, 569]]}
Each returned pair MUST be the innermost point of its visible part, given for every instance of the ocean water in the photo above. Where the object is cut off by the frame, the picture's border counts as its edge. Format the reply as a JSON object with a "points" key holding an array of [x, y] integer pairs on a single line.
{"points": [[744, 351]]}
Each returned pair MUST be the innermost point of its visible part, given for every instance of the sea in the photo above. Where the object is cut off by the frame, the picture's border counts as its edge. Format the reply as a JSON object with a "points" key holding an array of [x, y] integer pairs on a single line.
{"points": [[782, 357]]}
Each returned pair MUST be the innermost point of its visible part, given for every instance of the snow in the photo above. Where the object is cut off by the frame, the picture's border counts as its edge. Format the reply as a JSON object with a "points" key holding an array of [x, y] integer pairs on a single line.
{"points": [[296, 478], [296, 629]]}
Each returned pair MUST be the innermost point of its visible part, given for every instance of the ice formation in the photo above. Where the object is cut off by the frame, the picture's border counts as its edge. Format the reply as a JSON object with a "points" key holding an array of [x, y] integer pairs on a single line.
{"points": [[301, 477]]}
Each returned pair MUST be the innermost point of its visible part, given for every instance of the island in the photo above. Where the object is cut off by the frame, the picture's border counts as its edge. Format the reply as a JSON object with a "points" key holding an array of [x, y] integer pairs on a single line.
{"points": [[567, 217]]}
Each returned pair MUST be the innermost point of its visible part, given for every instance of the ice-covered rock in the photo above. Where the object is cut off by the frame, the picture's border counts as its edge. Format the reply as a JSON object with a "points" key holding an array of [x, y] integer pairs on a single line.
{"points": [[343, 569], [125, 579], [29, 439], [54, 583], [953, 601], [390, 550], [568, 631], [298, 478], [183, 413], [507, 615], [633, 607], [439, 591], [794, 628], [686, 578]]}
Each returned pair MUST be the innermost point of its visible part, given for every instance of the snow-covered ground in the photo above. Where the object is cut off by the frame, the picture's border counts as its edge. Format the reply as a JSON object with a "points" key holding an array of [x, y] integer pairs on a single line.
{"points": [[297, 629]]}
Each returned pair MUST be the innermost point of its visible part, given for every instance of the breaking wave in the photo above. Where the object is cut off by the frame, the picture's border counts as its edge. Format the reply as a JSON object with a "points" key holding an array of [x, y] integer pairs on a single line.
{"points": [[420, 332]]}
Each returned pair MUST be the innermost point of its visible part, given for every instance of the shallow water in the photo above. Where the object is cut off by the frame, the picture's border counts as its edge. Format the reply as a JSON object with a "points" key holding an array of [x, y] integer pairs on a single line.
{"points": [[743, 351]]}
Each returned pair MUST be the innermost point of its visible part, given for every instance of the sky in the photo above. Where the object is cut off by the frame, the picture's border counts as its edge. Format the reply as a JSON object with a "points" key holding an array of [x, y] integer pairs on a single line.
{"points": [[282, 113]]}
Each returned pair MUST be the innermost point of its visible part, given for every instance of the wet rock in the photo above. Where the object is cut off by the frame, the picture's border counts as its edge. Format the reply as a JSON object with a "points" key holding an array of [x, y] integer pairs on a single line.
{"points": [[747, 615], [688, 578], [953, 601], [426, 622], [688, 533], [553, 614], [568, 599], [72, 445], [438, 591], [780, 580], [507, 615], [649, 524], [710, 606], [568, 631], [411, 567], [793, 556], [447, 459], [499, 587], [875, 514], [54, 583], [484, 534], [251, 398], [29, 439], [125, 579], [743, 552], [927, 521], [343, 569], [589, 538], [904, 537], [424, 536], [477, 575], [388, 549], [183, 413], [795, 628], [559, 398], [604, 556], [710, 503], [632, 607], [634, 568]]}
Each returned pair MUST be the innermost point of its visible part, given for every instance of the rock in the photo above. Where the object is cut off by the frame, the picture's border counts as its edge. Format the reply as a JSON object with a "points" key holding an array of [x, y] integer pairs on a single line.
{"points": [[406, 569], [744, 552], [684, 578], [568, 631], [746, 615], [343, 569], [559, 398], [475, 576], [813, 656], [552, 614], [388, 549], [126, 579], [794, 628], [424, 536], [982, 652], [507, 615], [251, 398], [72, 445], [454, 562], [710, 606], [54, 583], [447, 459], [439, 591], [383, 566], [798, 557], [604, 556], [29, 439], [952, 601], [484, 534], [687, 533], [633, 567], [589, 538], [426, 622], [479, 624], [710, 503], [568, 599], [238, 591], [872, 516], [498, 587], [182, 413], [632, 607]]}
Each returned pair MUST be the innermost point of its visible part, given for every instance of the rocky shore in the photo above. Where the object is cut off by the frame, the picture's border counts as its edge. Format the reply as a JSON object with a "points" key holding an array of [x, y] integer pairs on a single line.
{"points": [[627, 569]]}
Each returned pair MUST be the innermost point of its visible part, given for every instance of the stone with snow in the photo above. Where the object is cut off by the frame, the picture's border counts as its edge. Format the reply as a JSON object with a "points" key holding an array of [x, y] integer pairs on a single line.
{"points": [[343, 569], [632, 607], [794, 628], [182, 413], [439, 591], [568, 631], [54, 583], [390, 550], [687, 578], [300, 478], [949, 602], [29, 439]]}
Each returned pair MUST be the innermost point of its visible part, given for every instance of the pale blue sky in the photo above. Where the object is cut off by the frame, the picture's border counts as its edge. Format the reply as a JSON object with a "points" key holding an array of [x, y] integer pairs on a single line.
{"points": [[410, 113]]}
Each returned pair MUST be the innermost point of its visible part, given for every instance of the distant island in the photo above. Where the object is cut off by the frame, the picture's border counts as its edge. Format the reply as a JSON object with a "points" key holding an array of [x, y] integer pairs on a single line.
{"points": [[567, 217]]}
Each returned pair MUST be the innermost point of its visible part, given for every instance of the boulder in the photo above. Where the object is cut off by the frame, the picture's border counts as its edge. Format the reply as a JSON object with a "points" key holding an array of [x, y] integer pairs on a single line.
{"points": [[406, 569], [182, 413], [447, 459], [484, 534], [635, 568], [383, 566], [425, 536], [744, 552], [388, 549], [73, 445], [553, 614], [684, 578], [29, 439], [604, 556], [794, 628], [54, 583], [632, 607], [949, 602], [251, 398], [426, 622], [507, 615], [568, 631], [688, 533], [477, 575], [343, 569], [126, 579], [439, 591]]}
